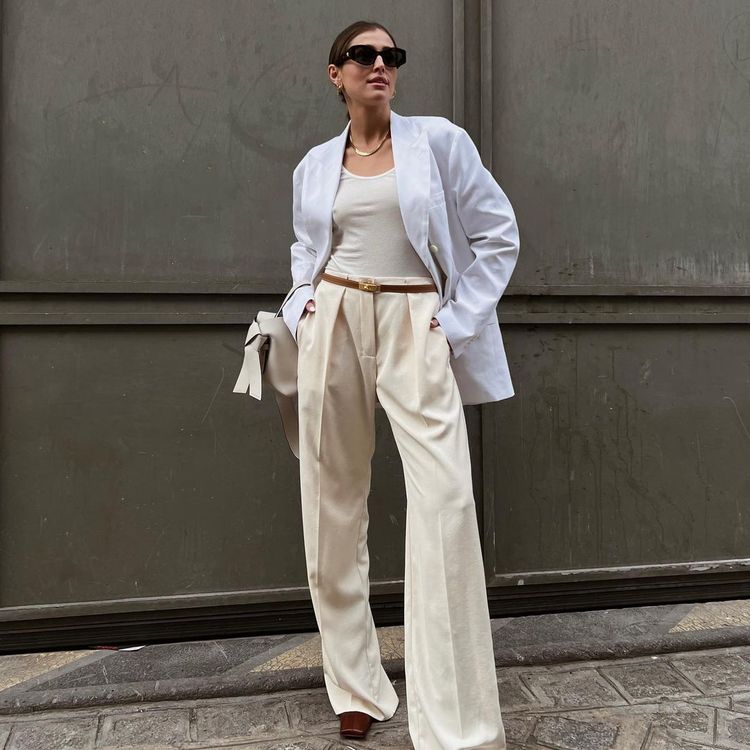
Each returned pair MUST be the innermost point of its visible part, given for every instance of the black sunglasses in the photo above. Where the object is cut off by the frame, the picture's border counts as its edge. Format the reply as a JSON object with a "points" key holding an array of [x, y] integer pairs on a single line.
{"points": [[365, 54]]}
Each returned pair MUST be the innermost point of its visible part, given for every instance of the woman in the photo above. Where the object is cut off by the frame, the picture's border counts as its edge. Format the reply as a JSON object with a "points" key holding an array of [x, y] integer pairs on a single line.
{"points": [[407, 243]]}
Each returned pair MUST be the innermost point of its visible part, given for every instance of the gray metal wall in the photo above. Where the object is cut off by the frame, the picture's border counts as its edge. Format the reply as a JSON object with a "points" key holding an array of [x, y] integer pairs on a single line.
{"points": [[147, 151], [622, 131]]}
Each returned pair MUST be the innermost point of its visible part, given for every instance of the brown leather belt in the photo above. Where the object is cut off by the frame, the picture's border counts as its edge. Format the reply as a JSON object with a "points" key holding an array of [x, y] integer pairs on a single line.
{"points": [[370, 285]]}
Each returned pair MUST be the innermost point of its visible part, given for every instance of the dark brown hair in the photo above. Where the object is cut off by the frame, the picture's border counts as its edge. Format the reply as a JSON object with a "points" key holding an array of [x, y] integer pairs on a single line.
{"points": [[342, 42]]}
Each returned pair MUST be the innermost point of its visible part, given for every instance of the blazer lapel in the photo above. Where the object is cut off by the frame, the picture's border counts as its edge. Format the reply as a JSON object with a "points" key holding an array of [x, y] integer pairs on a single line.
{"points": [[411, 157]]}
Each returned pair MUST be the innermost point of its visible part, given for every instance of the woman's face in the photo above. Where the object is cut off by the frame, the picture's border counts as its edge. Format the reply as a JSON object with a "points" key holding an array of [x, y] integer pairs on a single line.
{"points": [[356, 78]]}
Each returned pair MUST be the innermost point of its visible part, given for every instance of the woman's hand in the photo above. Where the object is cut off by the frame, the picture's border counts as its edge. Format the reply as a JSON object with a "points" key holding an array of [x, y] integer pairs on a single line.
{"points": [[306, 310], [433, 324]]}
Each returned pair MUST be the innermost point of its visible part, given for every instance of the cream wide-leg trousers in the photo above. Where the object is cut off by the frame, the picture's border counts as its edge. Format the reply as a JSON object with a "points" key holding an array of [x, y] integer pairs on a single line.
{"points": [[358, 345]]}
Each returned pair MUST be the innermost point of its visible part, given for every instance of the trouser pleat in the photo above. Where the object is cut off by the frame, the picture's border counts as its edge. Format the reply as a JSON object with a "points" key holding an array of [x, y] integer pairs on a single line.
{"points": [[335, 473]]}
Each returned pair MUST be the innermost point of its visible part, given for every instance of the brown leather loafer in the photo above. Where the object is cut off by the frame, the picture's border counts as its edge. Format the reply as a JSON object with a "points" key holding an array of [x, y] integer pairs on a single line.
{"points": [[354, 724]]}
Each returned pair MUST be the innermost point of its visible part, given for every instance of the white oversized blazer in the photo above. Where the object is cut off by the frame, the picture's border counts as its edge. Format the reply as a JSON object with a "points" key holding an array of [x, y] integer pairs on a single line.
{"points": [[459, 221]]}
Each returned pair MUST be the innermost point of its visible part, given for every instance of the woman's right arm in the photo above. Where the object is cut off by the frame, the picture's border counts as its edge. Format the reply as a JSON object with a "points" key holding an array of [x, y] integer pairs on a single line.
{"points": [[302, 256]]}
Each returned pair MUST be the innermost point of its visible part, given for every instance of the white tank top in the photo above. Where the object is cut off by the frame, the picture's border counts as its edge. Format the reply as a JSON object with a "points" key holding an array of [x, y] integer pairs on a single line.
{"points": [[368, 235]]}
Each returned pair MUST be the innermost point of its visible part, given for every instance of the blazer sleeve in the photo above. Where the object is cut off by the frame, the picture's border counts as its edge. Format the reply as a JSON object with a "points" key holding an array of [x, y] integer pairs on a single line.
{"points": [[489, 222], [303, 256]]}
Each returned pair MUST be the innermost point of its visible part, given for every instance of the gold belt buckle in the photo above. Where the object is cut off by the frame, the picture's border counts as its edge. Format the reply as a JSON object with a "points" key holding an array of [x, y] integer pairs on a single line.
{"points": [[369, 285]]}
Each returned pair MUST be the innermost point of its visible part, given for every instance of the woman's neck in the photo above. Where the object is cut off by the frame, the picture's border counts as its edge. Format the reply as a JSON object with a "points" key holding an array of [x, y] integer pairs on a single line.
{"points": [[368, 127]]}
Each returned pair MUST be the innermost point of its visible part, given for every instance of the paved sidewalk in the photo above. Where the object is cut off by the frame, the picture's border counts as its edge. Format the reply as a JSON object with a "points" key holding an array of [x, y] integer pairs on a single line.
{"points": [[695, 700], [258, 665], [648, 678]]}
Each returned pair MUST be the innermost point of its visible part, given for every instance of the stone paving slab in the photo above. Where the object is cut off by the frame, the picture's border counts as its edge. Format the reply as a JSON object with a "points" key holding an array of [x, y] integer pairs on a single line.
{"points": [[662, 702], [15, 669], [171, 661]]}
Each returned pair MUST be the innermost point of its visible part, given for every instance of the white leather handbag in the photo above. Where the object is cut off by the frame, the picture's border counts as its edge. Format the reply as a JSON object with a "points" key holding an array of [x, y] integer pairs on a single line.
{"points": [[271, 360]]}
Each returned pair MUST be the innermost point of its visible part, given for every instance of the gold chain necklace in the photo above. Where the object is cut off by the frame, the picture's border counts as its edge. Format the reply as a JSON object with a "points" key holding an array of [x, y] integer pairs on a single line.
{"points": [[367, 153]]}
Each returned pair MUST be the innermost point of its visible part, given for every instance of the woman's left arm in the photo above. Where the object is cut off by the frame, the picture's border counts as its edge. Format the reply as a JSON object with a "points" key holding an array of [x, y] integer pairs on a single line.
{"points": [[489, 222]]}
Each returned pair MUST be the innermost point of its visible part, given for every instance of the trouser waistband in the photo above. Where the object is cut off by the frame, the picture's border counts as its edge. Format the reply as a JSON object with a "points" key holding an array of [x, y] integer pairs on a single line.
{"points": [[373, 285]]}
